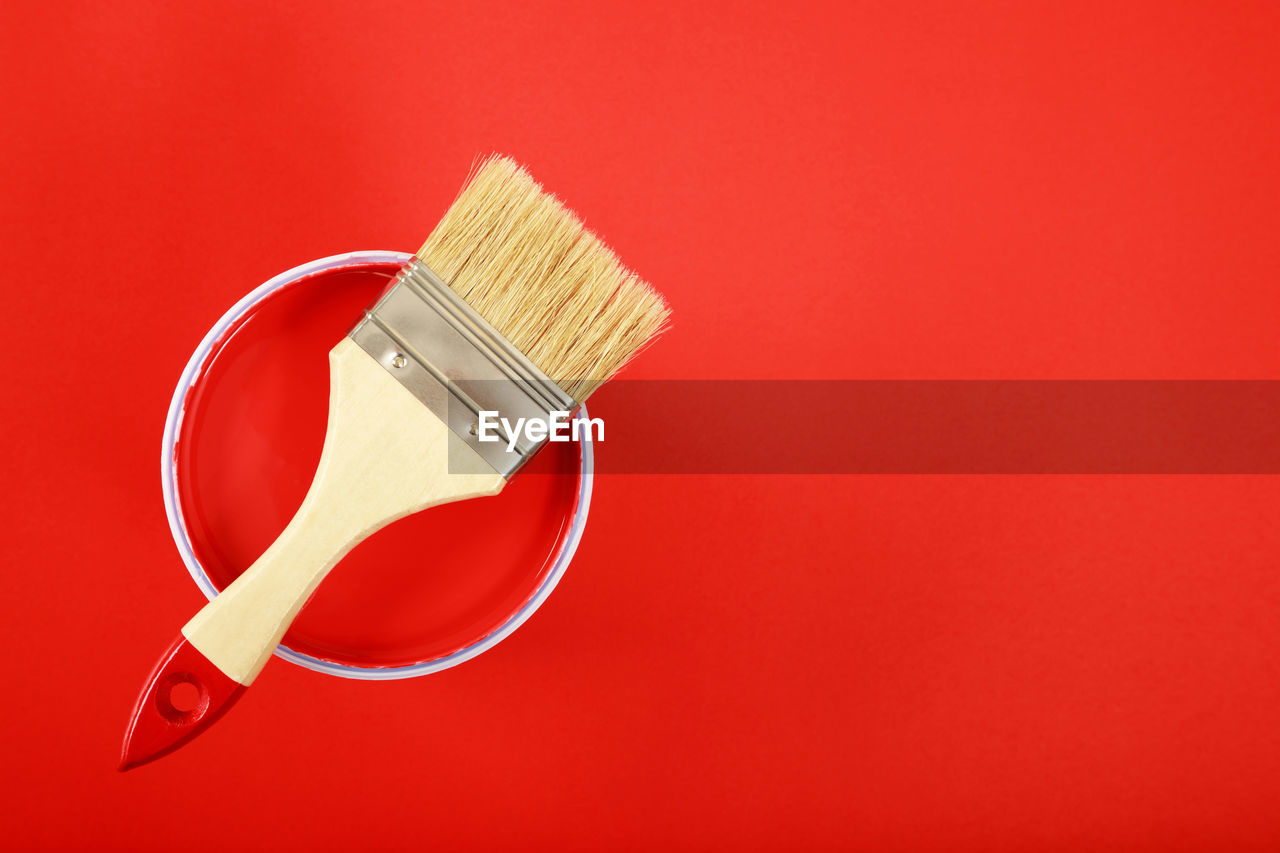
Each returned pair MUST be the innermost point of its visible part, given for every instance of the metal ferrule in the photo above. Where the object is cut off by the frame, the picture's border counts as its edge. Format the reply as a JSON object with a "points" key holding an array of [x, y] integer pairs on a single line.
{"points": [[456, 364]]}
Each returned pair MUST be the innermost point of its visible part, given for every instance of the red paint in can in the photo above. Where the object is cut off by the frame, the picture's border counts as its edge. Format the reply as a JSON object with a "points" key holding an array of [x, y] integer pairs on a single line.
{"points": [[252, 427]]}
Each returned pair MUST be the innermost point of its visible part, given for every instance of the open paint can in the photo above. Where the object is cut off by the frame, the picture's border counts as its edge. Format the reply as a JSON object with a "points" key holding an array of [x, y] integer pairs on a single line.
{"points": [[241, 443]]}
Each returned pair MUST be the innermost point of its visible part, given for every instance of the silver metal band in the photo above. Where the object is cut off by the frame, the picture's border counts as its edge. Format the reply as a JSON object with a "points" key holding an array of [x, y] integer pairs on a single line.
{"points": [[456, 364]]}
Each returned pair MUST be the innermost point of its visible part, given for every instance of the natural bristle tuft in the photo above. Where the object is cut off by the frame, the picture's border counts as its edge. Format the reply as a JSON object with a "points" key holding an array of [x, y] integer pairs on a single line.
{"points": [[527, 264]]}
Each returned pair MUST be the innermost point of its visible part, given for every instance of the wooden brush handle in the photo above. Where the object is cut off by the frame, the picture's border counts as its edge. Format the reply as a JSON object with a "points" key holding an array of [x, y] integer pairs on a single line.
{"points": [[385, 455]]}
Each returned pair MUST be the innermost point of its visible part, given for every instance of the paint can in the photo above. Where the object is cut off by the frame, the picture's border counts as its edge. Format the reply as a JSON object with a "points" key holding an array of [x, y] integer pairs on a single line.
{"points": [[241, 442]]}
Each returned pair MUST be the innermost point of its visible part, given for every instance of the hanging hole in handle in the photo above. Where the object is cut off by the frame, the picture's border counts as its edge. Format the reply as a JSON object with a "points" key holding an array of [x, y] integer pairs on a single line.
{"points": [[181, 698], [184, 697]]}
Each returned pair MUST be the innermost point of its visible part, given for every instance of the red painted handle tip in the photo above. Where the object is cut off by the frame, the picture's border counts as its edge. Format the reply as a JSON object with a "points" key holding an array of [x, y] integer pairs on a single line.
{"points": [[185, 694]]}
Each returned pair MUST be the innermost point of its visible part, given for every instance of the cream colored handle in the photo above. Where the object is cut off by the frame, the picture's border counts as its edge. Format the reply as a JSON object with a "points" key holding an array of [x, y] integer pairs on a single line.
{"points": [[385, 455]]}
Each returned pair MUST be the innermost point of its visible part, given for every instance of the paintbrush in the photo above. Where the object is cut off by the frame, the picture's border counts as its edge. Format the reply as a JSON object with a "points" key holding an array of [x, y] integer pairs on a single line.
{"points": [[511, 306]]}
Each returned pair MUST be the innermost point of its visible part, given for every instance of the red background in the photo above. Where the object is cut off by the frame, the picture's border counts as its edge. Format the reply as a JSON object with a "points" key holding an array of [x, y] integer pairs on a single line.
{"points": [[936, 190]]}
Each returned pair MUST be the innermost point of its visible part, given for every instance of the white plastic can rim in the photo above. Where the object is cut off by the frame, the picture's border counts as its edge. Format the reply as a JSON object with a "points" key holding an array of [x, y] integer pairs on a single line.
{"points": [[177, 524]]}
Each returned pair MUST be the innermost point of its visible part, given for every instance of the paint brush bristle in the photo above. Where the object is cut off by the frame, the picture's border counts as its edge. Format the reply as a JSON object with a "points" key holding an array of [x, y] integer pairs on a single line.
{"points": [[527, 265]]}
